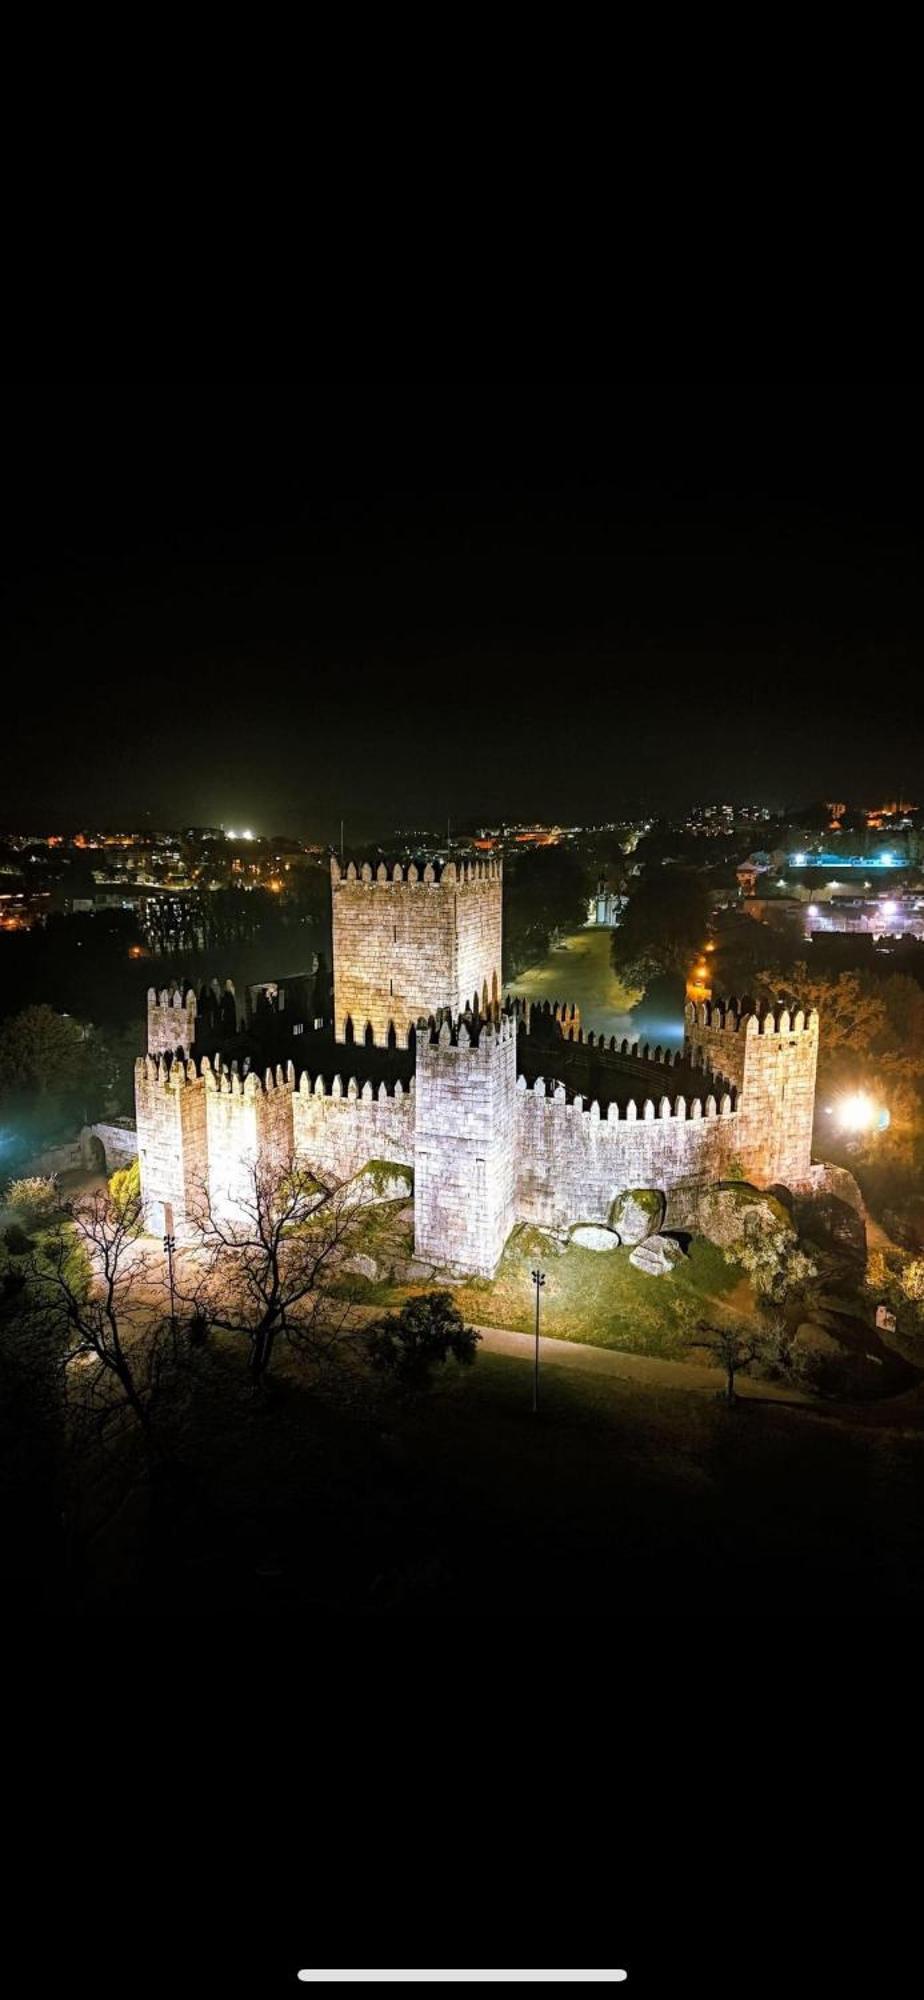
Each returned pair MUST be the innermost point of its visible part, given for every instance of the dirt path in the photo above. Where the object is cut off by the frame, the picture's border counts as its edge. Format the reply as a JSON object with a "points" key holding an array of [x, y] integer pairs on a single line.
{"points": [[646, 1369]]}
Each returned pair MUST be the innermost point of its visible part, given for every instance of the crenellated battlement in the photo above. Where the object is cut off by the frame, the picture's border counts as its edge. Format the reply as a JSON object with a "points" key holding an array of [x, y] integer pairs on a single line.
{"points": [[434, 874], [533, 1014], [712, 1105], [468, 1031], [727, 1018], [355, 1092]]}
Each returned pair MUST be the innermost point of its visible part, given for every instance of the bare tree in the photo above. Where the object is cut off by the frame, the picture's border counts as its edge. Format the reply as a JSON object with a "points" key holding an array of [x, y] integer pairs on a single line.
{"points": [[734, 1348], [268, 1256], [94, 1280]]}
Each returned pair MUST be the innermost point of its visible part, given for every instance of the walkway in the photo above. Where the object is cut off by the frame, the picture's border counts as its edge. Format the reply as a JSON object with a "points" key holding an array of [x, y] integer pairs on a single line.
{"points": [[645, 1369]]}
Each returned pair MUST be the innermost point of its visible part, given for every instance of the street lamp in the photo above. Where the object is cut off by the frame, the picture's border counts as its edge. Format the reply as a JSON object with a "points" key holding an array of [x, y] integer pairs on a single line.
{"points": [[538, 1281], [169, 1247]]}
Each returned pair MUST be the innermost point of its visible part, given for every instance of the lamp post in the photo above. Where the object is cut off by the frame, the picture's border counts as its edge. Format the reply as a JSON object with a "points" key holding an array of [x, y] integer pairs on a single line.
{"points": [[538, 1281], [170, 1246]]}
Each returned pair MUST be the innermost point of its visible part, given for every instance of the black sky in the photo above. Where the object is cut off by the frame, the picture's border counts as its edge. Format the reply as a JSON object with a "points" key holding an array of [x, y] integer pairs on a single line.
{"points": [[271, 605]]}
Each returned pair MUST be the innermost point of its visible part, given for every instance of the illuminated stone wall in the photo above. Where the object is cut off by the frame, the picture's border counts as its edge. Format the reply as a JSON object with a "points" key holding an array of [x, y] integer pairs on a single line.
{"points": [[413, 943], [338, 1128], [571, 1161], [775, 1054], [465, 1132], [172, 1141], [248, 1124], [171, 1021]]}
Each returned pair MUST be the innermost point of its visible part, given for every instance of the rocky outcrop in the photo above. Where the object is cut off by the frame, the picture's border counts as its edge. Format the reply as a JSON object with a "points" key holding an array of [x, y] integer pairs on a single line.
{"points": [[637, 1213], [833, 1225], [729, 1213], [656, 1256]]}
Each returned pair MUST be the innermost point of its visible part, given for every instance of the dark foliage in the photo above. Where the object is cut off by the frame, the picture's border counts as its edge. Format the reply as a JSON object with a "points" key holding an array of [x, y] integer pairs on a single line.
{"points": [[411, 1343]]}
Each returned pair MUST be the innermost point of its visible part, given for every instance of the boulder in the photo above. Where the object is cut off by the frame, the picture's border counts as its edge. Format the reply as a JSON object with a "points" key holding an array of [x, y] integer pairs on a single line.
{"points": [[729, 1212], [360, 1266], [833, 1225], [414, 1271], [656, 1255], [637, 1213], [839, 1181], [382, 1180], [594, 1236]]}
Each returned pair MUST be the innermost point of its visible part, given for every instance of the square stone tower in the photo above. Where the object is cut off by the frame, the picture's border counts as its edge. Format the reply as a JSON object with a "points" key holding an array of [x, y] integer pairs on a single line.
{"points": [[171, 1021], [464, 1145], [410, 943], [772, 1058]]}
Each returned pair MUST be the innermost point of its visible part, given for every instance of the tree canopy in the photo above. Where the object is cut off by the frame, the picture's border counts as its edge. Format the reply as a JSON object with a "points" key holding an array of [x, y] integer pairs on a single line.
{"points": [[546, 891], [663, 926]]}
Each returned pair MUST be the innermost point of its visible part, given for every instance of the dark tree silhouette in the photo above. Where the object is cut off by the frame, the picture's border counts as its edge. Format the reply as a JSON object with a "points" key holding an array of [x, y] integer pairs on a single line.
{"points": [[411, 1343], [734, 1348], [663, 926]]}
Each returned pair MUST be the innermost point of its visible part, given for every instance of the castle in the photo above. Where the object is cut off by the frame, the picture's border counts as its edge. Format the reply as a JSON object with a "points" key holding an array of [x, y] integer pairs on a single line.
{"points": [[504, 1113]]}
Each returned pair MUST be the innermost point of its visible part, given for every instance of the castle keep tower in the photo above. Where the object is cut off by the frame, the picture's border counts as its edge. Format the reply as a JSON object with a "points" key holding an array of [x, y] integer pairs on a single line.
{"points": [[171, 1021], [410, 943], [464, 1165]]}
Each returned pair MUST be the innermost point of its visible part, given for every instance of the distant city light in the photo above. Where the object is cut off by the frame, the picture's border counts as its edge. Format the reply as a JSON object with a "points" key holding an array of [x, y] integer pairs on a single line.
{"points": [[889, 908], [885, 861], [798, 860]]}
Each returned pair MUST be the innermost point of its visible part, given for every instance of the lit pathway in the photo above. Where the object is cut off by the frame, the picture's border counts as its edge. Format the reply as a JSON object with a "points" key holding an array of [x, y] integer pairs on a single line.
{"points": [[645, 1369]]}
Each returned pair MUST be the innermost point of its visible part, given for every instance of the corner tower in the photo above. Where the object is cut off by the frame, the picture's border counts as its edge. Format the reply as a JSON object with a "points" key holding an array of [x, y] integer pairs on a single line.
{"points": [[410, 942], [772, 1057]]}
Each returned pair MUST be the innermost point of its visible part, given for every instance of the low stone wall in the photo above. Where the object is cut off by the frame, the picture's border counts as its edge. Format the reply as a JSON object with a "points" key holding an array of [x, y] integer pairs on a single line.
{"points": [[54, 1160]]}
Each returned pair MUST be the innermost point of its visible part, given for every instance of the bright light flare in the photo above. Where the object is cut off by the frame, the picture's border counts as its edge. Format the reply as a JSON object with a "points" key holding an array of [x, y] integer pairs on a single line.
{"points": [[859, 1113]]}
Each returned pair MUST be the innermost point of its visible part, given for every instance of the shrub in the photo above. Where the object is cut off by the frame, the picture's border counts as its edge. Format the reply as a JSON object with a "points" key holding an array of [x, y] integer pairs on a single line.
{"points": [[429, 1328], [125, 1191], [35, 1197]]}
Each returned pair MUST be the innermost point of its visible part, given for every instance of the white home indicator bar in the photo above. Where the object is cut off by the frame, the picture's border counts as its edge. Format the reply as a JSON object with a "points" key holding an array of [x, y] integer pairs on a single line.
{"points": [[563, 1978]]}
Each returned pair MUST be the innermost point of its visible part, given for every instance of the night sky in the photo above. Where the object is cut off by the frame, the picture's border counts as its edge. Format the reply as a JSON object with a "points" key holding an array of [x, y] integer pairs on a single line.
{"points": [[273, 605]]}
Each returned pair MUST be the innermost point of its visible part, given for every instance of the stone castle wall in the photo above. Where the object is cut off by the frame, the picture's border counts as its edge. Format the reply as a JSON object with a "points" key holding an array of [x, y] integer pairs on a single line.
{"points": [[339, 1130], [411, 943], [571, 1162], [248, 1124]]}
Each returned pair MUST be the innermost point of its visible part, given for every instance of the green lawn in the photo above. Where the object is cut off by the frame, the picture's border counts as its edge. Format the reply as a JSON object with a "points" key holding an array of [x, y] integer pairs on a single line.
{"points": [[588, 1295]]}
